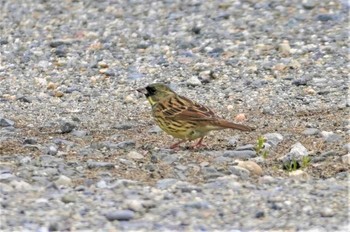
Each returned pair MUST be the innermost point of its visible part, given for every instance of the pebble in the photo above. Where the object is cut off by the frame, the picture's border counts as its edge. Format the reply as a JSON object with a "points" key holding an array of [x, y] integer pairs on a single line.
{"points": [[299, 175], [96, 164], [245, 147], [327, 212], [123, 126], [80, 133], [210, 172], [273, 138], [346, 159], [69, 198], [52, 150], [30, 141], [267, 180], [67, 127], [126, 144], [309, 4], [63, 181], [193, 81], [233, 140], [24, 99], [240, 171], [244, 154], [166, 183], [135, 155], [347, 147], [251, 166], [20, 185], [4, 122], [297, 152], [155, 130], [284, 48], [120, 215], [330, 136], [311, 131]]}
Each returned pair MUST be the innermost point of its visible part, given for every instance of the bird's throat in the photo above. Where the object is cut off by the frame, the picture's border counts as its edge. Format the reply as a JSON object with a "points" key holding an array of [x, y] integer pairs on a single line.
{"points": [[151, 100]]}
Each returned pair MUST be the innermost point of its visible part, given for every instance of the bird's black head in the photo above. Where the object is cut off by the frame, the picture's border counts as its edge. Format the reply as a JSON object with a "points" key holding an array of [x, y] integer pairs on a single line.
{"points": [[156, 92], [151, 90]]}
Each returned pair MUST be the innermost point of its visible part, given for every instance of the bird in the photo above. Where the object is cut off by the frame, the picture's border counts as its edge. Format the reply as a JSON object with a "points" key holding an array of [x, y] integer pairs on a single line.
{"points": [[183, 118]]}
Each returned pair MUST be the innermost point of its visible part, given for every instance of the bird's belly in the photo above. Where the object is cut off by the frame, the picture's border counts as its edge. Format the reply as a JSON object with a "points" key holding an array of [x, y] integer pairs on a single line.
{"points": [[181, 131]]}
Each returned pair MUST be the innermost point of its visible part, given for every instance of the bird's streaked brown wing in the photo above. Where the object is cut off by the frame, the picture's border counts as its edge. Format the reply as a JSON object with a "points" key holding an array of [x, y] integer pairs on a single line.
{"points": [[181, 108]]}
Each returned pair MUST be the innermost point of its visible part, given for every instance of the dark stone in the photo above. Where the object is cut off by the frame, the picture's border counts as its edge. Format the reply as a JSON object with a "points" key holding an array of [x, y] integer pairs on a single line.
{"points": [[120, 215], [67, 127], [29, 141]]}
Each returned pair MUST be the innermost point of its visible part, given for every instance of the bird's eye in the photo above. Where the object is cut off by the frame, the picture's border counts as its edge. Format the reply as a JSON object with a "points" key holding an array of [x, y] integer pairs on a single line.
{"points": [[151, 90]]}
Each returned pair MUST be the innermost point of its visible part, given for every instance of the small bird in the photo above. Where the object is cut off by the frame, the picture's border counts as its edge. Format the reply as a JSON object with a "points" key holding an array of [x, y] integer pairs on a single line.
{"points": [[183, 118]]}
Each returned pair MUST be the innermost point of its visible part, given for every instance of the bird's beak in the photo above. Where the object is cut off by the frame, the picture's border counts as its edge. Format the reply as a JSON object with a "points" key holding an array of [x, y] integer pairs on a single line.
{"points": [[142, 90]]}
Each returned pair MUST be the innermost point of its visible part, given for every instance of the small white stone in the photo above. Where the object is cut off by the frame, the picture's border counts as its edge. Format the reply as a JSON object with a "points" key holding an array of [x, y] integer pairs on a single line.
{"points": [[63, 181], [299, 175], [129, 99], [135, 155], [346, 159], [194, 81], [21, 185], [251, 166]]}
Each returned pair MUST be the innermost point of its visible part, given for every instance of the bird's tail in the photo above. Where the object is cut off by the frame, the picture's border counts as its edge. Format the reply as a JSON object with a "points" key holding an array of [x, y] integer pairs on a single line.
{"points": [[226, 124]]}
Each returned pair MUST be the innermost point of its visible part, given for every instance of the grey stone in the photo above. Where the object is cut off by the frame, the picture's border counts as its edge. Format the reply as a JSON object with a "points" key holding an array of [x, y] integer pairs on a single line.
{"points": [[233, 140], [50, 161], [63, 181], [126, 144], [297, 152], [69, 198], [155, 130], [6, 177], [347, 147], [80, 133], [193, 81], [166, 183], [95, 164], [311, 131], [67, 127], [25, 160], [210, 172], [244, 154], [330, 136], [327, 212], [101, 184], [50, 171], [52, 150], [123, 126], [21, 185], [309, 4], [326, 17], [4, 122], [135, 155], [120, 215], [30, 141], [273, 138], [245, 147], [346, 159], [239, 171]]}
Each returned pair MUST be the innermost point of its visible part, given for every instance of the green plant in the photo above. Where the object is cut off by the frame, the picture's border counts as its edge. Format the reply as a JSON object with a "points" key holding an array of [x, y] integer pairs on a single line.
{"points": [[292, 166], [259, 148], [305, 161]]}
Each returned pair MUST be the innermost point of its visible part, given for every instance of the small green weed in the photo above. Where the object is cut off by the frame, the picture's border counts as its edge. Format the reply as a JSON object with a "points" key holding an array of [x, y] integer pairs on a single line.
{"points": [[260, 147]]}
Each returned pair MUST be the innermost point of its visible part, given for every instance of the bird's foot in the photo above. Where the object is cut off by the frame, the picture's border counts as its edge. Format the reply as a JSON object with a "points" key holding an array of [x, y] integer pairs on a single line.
{"points": [[175, 146], [198, 144]]}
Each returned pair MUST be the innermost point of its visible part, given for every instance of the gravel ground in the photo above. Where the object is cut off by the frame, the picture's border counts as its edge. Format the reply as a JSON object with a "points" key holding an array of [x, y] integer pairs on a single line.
{"points": [[80, 151]]}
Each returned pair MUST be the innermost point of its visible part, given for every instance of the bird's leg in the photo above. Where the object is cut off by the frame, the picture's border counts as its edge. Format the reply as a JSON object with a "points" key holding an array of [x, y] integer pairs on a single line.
{"points": [[177, 144], [199, 143]]}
